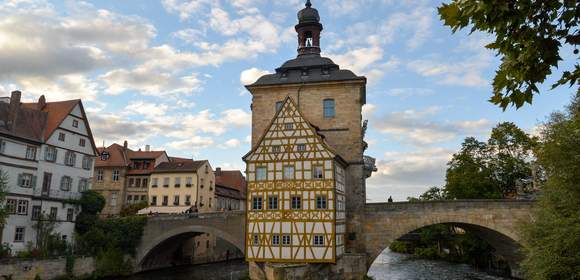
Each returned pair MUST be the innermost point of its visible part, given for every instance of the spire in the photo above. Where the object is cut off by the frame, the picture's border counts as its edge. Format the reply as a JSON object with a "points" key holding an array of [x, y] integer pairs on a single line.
{"points": [[308, 29]]}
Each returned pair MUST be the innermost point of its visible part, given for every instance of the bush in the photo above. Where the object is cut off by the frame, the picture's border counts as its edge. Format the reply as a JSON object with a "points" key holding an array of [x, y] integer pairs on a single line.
{"points": [[111, 262], [402, 247], [122, 233], [429, 252], [132, 209], [5, 251]]}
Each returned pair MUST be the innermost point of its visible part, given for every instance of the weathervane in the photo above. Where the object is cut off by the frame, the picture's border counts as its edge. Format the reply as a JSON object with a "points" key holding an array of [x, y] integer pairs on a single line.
{"points": [[308, 4]]}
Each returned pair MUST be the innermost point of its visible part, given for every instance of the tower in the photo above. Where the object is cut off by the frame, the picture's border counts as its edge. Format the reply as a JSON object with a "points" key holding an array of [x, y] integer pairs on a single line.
{"points": [[306, 170]]}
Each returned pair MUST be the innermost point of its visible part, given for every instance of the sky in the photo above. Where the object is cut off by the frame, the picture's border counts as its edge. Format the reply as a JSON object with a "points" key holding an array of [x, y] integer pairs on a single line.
{"points": [[170, 74]]}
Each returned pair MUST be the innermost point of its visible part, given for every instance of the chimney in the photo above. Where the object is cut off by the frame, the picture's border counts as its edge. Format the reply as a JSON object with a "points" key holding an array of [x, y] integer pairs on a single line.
{"points": [[218, 171], [125, 145], [41, 102], [147, 148], [14, 107]]}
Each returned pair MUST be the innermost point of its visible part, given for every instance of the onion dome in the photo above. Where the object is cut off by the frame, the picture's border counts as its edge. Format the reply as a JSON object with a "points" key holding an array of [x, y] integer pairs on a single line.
{"points": [[308, 14]]}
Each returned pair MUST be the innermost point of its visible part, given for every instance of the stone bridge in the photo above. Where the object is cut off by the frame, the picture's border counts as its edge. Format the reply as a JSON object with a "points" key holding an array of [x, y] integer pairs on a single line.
{"points": [[495, 221], [164, 234]]}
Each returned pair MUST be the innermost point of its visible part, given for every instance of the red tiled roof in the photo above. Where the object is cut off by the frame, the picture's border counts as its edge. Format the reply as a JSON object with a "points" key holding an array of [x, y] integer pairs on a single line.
{"points": [[144, 154], [57, 112], [117, 157], [231, 179]]}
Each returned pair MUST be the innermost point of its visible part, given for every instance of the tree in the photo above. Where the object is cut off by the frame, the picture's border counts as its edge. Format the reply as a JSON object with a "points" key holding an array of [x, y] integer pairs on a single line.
{"points": [[469, 175], [552, 240], [530, 36], [3, 191], [433, 193], [511, 152], [92, 203]]}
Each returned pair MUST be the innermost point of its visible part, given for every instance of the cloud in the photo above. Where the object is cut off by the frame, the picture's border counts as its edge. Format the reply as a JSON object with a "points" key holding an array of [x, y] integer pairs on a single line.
{"points": [[192, 144], [230, 144], [403, 174], [189, 35], [420, 127], [368, 110], [150, 82], [186, 8], [409, 92], [249, 76]]}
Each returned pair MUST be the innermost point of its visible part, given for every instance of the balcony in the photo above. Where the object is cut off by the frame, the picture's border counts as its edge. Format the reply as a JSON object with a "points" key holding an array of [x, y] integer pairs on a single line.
{"points": [[57, 194]]}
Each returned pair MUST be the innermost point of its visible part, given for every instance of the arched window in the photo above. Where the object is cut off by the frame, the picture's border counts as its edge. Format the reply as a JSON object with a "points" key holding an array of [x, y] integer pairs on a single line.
{"points": [[308, 39], [329, 111]]}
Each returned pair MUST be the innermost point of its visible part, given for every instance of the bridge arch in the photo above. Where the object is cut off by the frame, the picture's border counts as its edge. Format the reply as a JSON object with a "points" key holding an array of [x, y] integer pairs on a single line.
{"points": [[494, 221], [165, 234]]}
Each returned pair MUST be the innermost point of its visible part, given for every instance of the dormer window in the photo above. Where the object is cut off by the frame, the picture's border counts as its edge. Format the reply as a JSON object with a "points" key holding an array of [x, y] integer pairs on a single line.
{"points": [[284, 74], [305, 72]]}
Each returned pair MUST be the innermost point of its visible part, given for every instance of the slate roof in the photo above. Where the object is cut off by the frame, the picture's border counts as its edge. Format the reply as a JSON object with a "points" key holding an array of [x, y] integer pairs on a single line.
{"points": [[144, 154], [319, 69], [179, 166], [57, 112], [228, 192]]}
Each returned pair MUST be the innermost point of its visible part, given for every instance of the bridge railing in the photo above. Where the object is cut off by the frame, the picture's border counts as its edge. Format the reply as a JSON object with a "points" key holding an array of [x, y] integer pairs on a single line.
{"points": [[449, 203], [203, 215]]}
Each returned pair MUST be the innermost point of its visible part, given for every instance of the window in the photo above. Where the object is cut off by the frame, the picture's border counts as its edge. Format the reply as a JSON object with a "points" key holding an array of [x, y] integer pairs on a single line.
{"points": [[275, 240], [61, 136], [46, 183], [261, 174], [19, 234], [36, 212], [154, 182], [256, 240], [275, 149], [288, 172], [317, 172], [286, 240], [131, 182], [53, 213], [153, 200], [321, 202], [82, 142], [66, 183], [137, 182], [144, 183], [75, 123], [70, 158], [206, 169], [143, 198], [188, 182], [2, 146], [87, 163], [188, 200], [114, 196], [30, 153], [50, 154], [210, 202], [288, 126], [129, 198], [22, 208], [301, 147], [69, 215], [26, 180], [165, 200], [178, 182], [201, 181], [11, 206], [279, 105], [328, 106], [166, 182], [257, 203], [100, 174], [296, 202], [319, 240], [116, 174], [273, 202], [83, 185], [176, 200]]}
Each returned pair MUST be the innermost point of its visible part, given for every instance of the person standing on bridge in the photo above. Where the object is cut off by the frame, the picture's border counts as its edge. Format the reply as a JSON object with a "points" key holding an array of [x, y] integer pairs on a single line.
{"points": [[390, 200]]}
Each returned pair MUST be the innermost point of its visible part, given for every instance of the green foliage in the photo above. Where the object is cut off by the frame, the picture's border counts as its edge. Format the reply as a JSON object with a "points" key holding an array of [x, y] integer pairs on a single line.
{"points": [[553, 238], [366, 277], [47, 242], [132, 209], [5, 250], [403, 247], [490, 170], [529, 37], [120, 233], [92, 203], [3, 191], [111, 262], [427, 252], [434, 193]]}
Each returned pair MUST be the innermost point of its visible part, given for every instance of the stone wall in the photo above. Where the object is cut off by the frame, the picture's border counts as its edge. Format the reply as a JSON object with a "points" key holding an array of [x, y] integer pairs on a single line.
{"points": [[45, 269]]}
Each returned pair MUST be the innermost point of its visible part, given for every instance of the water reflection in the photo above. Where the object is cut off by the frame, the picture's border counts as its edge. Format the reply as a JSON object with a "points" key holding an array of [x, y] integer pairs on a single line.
{"points": [[395, 266], [232, 270]]}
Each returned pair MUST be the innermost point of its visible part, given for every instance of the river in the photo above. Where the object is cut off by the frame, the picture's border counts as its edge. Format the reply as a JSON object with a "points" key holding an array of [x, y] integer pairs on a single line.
{"points": [[388, 266]]}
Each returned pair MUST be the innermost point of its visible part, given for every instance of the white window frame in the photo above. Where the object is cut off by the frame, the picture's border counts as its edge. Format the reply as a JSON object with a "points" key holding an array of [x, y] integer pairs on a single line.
{"points": [[51, 154], [21, 233], [316, 168], [301, 147], [261, 173], [30, 152], [115, 175], [276, 240], [289, 172], [318, 240], [26, 180], [321, 202], [100, 175], [70, 158], [286, 240], [296, 202], [66, 183], [22, 207], [257, 203], [256, 240], [273, 202]]}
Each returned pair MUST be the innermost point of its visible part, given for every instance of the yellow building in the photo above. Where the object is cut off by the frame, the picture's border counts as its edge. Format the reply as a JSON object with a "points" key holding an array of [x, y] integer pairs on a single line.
{"points": [[295, 194], [180, 185]]}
